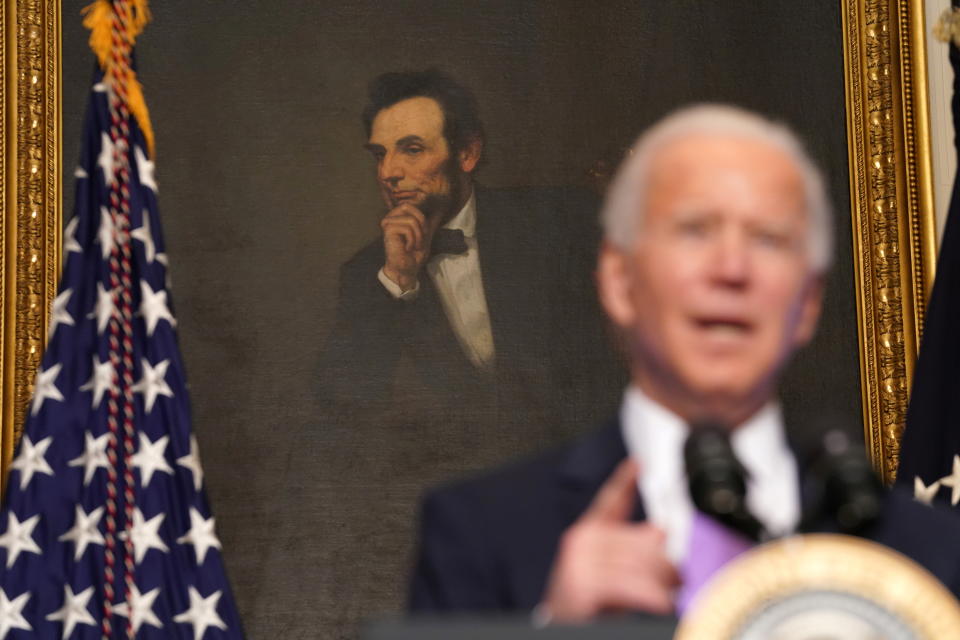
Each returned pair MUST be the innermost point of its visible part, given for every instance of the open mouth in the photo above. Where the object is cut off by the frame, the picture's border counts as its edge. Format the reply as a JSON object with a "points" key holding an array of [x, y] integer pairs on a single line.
{"points": [[732, 327]]}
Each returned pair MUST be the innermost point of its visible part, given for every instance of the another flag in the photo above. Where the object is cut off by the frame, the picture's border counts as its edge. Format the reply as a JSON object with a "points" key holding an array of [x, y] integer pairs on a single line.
{"points": [[930, 449], [105, 531]]}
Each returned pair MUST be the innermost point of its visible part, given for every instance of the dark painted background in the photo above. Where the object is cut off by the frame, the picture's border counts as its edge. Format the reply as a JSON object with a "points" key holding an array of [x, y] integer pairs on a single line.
{"points": [[265, 190]]}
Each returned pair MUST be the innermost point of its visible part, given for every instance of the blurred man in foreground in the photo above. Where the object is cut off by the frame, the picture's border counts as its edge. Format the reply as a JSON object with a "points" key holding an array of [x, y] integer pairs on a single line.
{"points": [[717, 240]]}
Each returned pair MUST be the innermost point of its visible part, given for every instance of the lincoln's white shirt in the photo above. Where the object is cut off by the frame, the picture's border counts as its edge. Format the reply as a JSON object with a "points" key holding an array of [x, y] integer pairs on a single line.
{"points": [[460, 285], [655, 436]]}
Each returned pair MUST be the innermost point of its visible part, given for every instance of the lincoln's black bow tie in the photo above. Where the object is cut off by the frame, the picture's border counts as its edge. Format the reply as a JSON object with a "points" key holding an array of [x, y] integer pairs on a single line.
{"points": [[448, 241]]}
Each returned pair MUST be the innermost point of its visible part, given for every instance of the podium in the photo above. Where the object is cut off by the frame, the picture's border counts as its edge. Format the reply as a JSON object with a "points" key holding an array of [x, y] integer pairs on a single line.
{"points": [[634, 627]]}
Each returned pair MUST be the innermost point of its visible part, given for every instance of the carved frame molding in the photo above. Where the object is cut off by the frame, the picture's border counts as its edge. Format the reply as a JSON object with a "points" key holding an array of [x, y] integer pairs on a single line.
{"points": [[31, 200], [891, 188], [894, 243]]}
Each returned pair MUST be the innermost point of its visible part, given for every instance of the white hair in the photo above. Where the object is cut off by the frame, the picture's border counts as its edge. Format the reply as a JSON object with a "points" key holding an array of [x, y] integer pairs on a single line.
{"points": [[623, 212]]}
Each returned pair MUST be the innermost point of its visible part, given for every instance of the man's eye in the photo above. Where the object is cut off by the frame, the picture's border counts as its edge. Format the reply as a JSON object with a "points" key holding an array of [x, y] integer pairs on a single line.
{"points": [[772, 239], [412, 151], [694, 228]]}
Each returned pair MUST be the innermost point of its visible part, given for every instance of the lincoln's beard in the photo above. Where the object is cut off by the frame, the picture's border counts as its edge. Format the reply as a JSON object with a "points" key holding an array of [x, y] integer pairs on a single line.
{"points": [[445, 205]]}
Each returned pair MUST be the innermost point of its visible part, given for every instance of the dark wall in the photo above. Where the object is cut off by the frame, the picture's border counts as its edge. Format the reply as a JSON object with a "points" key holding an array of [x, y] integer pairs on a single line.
{"points": [[265, 191]]}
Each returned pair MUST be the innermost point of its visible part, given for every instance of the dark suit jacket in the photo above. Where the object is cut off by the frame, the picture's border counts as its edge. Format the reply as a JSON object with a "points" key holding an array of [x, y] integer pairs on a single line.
{"points": [[488, 544], [537, 249]]}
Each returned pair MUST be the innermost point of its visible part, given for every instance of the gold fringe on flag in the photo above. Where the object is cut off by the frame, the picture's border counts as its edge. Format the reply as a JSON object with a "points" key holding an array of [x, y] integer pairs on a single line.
{"points": [[113, 53]]}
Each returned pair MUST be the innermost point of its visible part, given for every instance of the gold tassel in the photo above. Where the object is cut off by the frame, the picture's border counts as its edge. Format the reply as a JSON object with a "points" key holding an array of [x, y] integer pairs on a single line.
{"points": [[139, 19], [97, 18], [138, 107]]}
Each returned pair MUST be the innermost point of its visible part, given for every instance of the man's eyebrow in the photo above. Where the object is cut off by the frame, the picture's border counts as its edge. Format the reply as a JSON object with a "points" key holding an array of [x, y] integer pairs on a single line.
{"points": [[411, 139]]}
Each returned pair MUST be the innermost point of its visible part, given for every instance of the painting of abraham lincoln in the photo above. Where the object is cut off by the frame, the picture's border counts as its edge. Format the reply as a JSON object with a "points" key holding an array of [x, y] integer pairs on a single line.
{"points": [[379, 288]]}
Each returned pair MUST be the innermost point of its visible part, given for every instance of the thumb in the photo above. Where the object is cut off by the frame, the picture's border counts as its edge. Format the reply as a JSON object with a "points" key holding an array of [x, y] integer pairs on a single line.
{"points": [[614, 502]]}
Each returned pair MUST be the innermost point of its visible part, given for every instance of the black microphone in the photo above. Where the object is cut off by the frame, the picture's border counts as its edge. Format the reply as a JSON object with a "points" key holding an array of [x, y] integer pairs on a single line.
{"points": [[717, 480], [843, 488]]}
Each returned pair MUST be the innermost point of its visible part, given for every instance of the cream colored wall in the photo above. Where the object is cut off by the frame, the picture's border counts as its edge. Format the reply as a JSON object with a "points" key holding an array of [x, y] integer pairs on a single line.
{"points": [[940, 74]]}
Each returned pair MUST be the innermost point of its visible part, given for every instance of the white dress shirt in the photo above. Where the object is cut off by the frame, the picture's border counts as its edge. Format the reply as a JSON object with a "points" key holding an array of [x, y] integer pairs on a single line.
{"points": [[655, 436], [460, 285]]}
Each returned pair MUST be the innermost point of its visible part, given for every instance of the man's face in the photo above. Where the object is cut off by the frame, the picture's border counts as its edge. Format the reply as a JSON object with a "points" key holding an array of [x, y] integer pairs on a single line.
{"points": [[719, 290], [414, 161]]}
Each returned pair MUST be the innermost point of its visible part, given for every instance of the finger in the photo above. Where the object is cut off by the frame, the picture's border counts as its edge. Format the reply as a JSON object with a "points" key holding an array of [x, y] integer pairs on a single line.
{"points": [[656, 566], [407, 209], [408, 226], [637, 550], [426, 225], [415, 212], [409, 220], [615, 500], [405, 234], [640, 593]]}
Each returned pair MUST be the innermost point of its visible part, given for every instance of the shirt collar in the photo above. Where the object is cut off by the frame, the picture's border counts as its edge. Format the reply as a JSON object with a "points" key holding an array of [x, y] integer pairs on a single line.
{"points": [[655, 436], [466, 220], [753, 441]]}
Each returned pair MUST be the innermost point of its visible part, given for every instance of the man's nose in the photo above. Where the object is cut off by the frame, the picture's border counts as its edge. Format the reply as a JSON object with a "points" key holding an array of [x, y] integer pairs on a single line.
{"points": [[390, 171], [730, 261]]}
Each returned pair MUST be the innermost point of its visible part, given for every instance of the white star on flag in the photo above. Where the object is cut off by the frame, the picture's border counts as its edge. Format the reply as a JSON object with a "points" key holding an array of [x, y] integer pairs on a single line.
{"points": [[11, 613], [154, 308], [152, 384], [80, 173], [145, 168], [202, 613], [142, 233], [45, 388], [924, 494], [70, 236], [101, 379], [140, 608], [105, 233], [101, 87], [192, 462], [59, 314], [74, 610], [105, 159], [953, 481], [104, 308], [167, 281], [19, 537], [150, 457], [200, 535], [93, 457], [31, 460], [86, 530], [145, 534]]}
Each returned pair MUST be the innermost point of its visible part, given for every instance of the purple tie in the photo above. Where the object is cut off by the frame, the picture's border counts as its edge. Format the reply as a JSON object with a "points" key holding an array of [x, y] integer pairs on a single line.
{"points": [[712, 545]]}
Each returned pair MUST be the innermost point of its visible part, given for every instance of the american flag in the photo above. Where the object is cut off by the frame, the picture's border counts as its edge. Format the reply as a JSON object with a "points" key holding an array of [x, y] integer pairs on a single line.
{"points": [[105, 531], [930, 447]]}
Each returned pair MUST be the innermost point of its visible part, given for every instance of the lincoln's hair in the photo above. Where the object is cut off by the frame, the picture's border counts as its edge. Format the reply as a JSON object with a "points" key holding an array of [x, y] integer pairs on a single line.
{"points": [[623, 212], [461, 120]]}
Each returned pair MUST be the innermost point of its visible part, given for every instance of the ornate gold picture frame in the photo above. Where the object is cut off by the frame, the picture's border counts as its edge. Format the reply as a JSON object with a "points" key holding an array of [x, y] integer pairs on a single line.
{"points": [[891, 197], [30, 200], [890, 183]]}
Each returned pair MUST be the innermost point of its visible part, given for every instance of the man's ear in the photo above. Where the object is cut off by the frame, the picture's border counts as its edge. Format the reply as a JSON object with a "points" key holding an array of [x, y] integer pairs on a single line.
{"points": [[614, 285], [469, 156], [810, 308]]}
